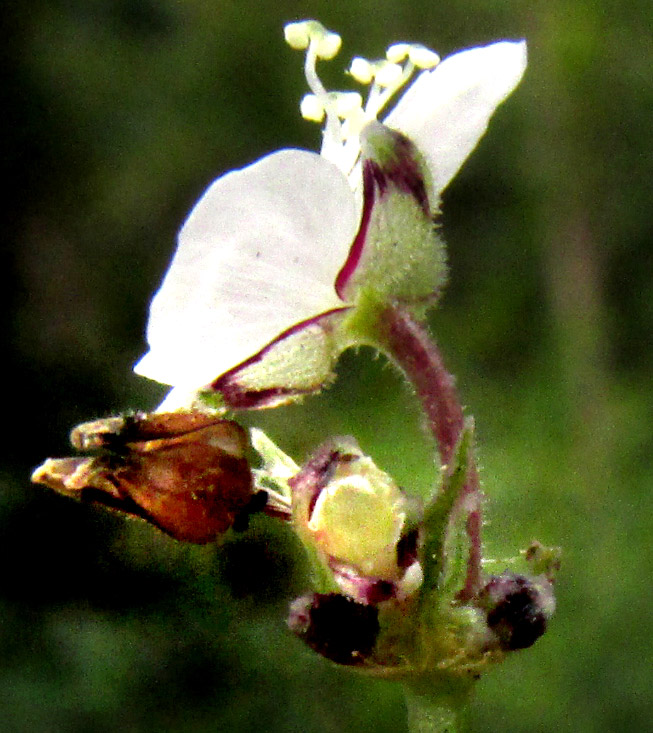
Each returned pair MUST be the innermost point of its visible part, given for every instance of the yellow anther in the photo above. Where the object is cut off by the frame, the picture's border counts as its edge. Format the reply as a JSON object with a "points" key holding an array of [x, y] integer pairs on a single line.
{"points": [[354, 123], [297, 35], [417, 54], [397, 52], [328, 45], [386, 73], [346, 103], [362, 70], [311, 108], [300, 35], [423, 57]]}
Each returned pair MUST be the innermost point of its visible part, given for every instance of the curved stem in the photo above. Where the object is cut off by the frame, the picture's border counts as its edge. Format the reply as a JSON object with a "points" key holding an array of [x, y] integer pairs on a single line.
{"points": [[415, 352], [409, 345]]}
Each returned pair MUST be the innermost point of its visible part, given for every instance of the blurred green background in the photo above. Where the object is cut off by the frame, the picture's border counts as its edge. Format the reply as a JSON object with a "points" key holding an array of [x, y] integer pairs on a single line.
{"points": [[117, 114]]}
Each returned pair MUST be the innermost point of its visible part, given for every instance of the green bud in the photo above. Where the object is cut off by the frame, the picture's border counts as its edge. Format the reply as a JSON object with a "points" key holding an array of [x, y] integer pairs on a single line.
{"points": [[350, 510]]}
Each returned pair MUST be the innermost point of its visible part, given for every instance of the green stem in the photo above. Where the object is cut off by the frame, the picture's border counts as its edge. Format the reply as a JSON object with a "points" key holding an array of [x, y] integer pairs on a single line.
{"points": [[434, 713]]}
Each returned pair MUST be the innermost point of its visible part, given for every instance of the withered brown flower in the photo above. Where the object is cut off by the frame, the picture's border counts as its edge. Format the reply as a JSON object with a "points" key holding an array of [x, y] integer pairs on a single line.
{"points": [[186, 473]]}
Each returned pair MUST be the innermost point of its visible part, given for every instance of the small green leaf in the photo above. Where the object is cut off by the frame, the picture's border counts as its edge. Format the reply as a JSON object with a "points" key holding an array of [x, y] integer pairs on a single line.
{"points": [[445, 545]]}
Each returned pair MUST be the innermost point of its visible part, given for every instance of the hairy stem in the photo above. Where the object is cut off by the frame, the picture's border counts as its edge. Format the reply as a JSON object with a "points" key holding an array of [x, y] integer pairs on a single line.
{"points": [[409, 345], [434, 713], [423, 718]]}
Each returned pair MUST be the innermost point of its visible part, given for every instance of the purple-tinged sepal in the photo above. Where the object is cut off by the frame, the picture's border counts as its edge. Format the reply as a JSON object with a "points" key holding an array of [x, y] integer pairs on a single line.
{"points": [[398, 254], [298, 363]]}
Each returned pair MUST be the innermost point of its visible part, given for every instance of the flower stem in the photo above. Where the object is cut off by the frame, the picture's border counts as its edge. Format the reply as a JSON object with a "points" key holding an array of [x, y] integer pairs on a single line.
{"points": [[409, 345], [431, 718], [431, 713]]}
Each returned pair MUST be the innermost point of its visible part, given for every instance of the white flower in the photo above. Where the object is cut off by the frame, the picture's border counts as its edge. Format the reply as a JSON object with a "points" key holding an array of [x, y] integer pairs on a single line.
{"points": [[251, 290]]}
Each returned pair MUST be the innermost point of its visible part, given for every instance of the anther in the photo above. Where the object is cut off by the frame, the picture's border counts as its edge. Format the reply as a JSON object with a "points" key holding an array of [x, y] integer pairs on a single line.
{"points": [[305, 33], [418, 55], [311, 108]]}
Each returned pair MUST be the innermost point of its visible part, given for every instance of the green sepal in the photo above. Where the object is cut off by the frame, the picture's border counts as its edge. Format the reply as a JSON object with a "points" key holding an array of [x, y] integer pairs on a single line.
{"points": [[212, 400], [445, 545], [322, 579], [456, 553], [404, 257]]}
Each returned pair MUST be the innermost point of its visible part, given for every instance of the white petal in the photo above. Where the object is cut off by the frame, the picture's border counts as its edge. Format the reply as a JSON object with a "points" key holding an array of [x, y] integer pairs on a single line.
{"points": [[259, 252], [179, 398], [299, 363], [446, 111]]}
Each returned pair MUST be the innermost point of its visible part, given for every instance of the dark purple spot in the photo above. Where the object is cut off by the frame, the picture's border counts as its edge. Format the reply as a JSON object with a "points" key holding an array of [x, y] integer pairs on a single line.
{"points": [[407, 548], [335, 626], [516, 613]]}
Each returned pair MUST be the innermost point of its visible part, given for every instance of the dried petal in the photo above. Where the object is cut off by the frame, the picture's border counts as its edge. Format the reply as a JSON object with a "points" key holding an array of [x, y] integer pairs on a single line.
{"points": [[192, 484]]}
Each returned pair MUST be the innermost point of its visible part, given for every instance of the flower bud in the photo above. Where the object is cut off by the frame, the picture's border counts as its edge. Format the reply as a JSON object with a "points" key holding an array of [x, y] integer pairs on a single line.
{"points": [[518, 609], [335, 626], [351, 510]]}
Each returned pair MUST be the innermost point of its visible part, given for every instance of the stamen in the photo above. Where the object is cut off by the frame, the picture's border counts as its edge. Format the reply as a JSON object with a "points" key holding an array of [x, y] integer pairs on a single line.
{"points": [[423, 57], [297, 35], [387, 74], [332, 133], [415, 56], [380, 97], [420, 56], [385, 77], [353, 124], [319, 43], [307, 33], [346, 103], [397, 52], [362, 70]]}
